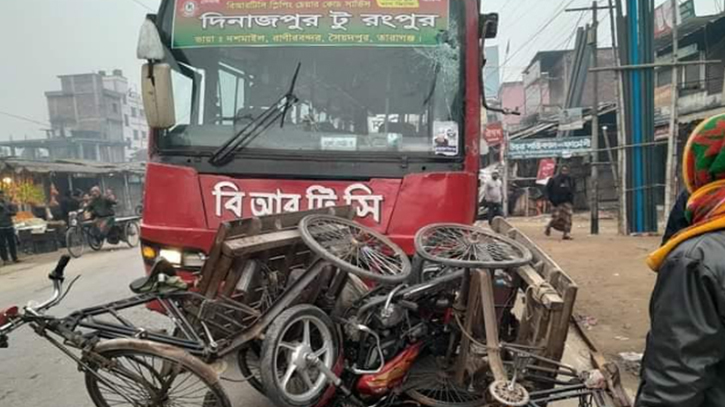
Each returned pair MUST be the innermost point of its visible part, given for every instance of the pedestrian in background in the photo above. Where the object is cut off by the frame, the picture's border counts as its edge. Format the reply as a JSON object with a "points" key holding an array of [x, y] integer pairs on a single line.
{"points": [[493, 196], [684, 357], [7, 230], [560, 192]]}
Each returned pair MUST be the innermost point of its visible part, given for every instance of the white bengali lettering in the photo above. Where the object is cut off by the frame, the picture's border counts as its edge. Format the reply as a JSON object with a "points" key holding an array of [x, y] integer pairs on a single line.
{"points": [[320, 197], [367, 203], [227, 197]]}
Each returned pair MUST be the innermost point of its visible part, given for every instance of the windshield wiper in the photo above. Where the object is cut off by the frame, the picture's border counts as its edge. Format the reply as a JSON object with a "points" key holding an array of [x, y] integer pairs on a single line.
{"points": [[259, 125]]}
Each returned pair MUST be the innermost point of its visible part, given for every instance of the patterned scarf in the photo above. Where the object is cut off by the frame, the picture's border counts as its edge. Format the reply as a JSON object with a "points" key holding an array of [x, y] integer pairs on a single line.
{"points": [[704, 175]]}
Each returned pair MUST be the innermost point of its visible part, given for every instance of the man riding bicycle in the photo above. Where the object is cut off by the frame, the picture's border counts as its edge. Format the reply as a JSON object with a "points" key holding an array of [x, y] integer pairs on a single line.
{"points": [[100, 209]]}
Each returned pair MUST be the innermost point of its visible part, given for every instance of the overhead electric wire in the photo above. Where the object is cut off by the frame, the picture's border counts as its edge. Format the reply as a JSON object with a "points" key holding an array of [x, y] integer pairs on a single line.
{"points": [[27, 119], [559, 10], [138, 2]]}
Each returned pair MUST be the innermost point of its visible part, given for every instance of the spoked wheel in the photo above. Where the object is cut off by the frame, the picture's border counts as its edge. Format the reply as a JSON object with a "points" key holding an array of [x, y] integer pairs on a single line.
{"points": [[151, 375], [355, 248], [431, 383], [467, 246], [74, 241], [295, 345], [131, 234], [248, 359]]}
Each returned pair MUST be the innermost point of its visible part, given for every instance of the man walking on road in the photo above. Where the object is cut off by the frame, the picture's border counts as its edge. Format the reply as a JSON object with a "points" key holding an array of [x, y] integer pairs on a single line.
{"points": [[7, 229], [560, 192], [493, 196], [684, 358]]}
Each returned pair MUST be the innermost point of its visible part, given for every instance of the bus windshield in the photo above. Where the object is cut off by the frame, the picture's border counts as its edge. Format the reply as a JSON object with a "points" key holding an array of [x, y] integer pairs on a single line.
{"points": [[356, 92]]}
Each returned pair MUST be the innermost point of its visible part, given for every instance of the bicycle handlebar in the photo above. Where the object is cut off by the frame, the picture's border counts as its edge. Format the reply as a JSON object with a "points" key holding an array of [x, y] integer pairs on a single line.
{"points": [[57, 276]]}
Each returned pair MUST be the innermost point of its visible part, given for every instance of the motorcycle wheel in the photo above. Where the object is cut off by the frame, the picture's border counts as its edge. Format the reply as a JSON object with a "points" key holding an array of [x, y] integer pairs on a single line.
{"points": [[74, 241], [288, 378]]}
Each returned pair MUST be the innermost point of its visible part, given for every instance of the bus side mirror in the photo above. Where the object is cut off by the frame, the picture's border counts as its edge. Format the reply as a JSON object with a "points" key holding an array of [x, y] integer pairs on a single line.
{"points": [[150, 47], [158, 95], [488, 25]]}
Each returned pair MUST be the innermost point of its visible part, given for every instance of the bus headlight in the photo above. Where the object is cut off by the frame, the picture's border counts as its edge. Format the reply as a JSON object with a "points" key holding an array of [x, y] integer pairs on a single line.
{"points": [[173, 256]]}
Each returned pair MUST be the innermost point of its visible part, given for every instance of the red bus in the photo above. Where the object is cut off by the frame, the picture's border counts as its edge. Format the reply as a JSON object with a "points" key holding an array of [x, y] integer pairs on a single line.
{"points": [[261, 107]]}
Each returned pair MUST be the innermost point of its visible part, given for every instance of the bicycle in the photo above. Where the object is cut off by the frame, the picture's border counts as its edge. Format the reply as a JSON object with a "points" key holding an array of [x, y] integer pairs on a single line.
{"points": [[85, 233], [124, 371]]}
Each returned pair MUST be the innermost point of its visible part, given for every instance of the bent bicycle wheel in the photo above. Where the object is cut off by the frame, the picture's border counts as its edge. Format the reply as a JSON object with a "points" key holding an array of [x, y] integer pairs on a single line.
{"points": [[432, 384], [129, 372], [355, 248], [457, 245]]}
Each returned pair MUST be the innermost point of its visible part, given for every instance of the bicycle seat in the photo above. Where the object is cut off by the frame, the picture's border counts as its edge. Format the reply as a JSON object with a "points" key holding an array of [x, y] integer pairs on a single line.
{"points": [[162, 278]]}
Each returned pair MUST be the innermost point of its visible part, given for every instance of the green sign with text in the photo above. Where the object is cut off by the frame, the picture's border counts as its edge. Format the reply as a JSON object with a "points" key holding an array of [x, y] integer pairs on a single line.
{"points": [[218, 23]]}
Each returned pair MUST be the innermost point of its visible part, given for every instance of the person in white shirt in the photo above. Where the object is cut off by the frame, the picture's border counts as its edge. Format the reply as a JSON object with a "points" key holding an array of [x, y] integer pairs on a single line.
{"points": [[493, 196]]}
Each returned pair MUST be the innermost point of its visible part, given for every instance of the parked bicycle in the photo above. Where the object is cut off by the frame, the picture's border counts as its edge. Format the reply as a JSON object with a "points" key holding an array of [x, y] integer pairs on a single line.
{"points": [[82, 233], [119, 372]]}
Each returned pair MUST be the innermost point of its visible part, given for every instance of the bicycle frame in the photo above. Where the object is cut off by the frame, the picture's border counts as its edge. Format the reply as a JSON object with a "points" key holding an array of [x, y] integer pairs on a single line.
{"points": [[191, 342], [43, 326]]}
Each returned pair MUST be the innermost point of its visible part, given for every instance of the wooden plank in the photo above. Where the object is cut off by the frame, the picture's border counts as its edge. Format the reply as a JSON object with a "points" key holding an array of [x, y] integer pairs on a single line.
{"points": [[560, 330], [219, 274], [543, 328], [471, 318], [526, 325], [258, 243], [491, 323], [501, 226], [240, 265], [550, 300], [209, 266]]}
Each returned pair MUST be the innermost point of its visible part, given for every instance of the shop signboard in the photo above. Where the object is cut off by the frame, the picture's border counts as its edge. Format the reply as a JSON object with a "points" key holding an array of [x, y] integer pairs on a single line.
{"points": [[563, 147]]}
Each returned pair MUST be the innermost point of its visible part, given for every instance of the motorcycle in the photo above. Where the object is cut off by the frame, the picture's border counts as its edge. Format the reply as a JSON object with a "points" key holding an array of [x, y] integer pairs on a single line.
{"points": [[379, 343]]}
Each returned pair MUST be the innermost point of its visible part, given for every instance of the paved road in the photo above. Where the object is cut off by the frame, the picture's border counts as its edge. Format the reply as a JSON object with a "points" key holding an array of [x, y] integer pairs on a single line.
{"points": [[35, 374]]}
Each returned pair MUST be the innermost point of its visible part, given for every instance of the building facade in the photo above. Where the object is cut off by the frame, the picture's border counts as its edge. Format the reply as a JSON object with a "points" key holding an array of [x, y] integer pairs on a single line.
{"points": [[135, 127], [94, 117], [546, 83]]}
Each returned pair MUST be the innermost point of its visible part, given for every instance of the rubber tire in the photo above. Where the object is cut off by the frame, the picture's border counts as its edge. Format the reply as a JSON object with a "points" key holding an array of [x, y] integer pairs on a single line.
{"points": [[129, 226], [254, 380], [74, 232], [95, 394], [525, 259], [311, 242], [94, 244], [273, 335]]}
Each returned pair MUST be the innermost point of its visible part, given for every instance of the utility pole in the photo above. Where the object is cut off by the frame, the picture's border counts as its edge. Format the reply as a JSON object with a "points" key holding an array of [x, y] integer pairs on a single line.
{"points": [[670, 178], [619, 168], [594, 175], [594, 206]]}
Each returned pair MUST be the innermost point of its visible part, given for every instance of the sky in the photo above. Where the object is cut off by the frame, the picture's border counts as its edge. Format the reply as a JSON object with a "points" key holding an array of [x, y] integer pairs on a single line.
{"points": [[47, 38], [541, 25]]}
